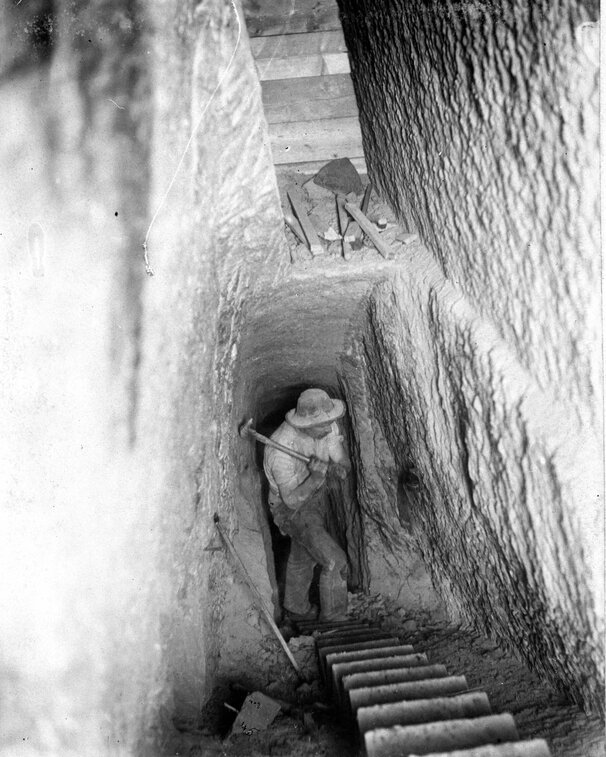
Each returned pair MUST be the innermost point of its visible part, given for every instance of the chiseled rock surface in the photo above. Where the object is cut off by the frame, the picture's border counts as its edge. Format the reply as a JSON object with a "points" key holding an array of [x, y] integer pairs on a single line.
{"points": [[502, 518], [119, 408], [480, 126], [219, 227]]}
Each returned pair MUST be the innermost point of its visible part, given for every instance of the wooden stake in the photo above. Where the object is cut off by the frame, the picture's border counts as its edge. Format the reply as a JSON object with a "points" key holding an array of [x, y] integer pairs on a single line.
{"points": [[313, 241], [295, 227], [354, 232], [349, 229], [343, 217]]}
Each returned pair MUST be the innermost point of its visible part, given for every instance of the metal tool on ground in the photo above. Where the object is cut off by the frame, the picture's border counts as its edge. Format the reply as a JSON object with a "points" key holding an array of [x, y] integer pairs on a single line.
{"points": [[260, 601], [247, 430]]}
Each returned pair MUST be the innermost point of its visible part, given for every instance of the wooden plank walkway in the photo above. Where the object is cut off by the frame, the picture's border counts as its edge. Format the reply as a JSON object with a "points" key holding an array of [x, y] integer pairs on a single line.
{"points": [[273, 17], [286, 45], [303, 141], [308, 95]]}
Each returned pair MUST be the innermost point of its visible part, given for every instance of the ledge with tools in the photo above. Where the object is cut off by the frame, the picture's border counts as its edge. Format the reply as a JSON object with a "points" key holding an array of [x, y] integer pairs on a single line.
{"points": [[337, 214]]}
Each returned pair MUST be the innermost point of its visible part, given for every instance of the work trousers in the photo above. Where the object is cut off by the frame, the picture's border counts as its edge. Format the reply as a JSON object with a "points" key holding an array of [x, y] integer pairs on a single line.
{"points": [[312, 545]]}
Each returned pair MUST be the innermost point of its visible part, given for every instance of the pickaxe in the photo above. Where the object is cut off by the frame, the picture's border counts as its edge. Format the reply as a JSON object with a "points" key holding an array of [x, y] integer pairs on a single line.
{"points": [[246, 429]]}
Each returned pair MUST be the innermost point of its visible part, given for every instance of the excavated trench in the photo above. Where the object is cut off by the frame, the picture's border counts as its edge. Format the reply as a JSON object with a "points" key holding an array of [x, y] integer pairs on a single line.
{"points": [[321, 326], [469, 365]]}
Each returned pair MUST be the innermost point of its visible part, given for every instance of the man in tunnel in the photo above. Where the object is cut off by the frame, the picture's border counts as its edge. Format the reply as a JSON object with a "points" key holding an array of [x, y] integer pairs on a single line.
{"points": [[297, 496]]}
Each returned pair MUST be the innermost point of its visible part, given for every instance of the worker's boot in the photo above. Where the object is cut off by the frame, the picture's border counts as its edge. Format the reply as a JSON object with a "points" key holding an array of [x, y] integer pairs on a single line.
{"points": [[333, 591]]}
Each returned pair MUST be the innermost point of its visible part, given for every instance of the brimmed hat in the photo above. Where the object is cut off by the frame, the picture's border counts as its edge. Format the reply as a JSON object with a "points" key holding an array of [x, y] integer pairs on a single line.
{"points": [[315, 407]]}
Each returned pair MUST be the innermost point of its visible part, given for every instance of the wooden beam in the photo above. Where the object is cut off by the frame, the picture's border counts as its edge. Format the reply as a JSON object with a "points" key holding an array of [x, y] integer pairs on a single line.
{"points": [[311, 110], [283, 91], [312, 167], [289, 68], [303, 141], [289, 45], [342, 214], [302, 65], [291, 17], [311, 234], [343, 226], [353, 232], [370, 231]]}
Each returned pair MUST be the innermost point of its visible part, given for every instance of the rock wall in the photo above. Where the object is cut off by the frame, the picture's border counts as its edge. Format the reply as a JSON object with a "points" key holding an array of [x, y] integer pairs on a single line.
{"points": [[218, 227], [124, 392], [119, 407], [482, 356], [396, 568], [80, 542]]}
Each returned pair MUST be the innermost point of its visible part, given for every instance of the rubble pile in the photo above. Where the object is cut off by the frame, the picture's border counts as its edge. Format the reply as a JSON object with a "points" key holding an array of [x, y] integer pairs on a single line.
{"points": [[337, 214]]}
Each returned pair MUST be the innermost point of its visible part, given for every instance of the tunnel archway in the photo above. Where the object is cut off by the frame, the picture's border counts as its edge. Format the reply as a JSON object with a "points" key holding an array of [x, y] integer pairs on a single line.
{"points": [[301, 334]]}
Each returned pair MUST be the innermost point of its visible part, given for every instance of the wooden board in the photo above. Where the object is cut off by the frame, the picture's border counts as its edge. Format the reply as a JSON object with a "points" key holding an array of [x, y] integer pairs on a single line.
{"points": [[305, 141], [306, 88], [290, 16], [289, 45], [313, 241], [311, 110], [310, 168], [302, 65], [385, 249], [342, 215], [289, 68]]}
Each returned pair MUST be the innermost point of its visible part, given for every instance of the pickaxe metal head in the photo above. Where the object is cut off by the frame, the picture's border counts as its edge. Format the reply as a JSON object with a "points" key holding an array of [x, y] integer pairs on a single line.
{"points": [[245, 428]]}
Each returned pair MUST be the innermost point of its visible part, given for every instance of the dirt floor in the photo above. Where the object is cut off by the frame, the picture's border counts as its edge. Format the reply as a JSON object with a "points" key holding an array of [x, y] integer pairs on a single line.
{"points": [[307, 726]]}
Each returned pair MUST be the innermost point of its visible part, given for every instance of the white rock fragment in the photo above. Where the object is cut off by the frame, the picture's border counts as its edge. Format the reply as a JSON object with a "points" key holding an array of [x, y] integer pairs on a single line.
{"points": [[331, 235]]}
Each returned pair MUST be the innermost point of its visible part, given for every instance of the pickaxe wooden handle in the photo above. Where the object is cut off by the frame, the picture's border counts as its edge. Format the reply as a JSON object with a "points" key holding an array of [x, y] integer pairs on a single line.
{"points": [[247, 430]]}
